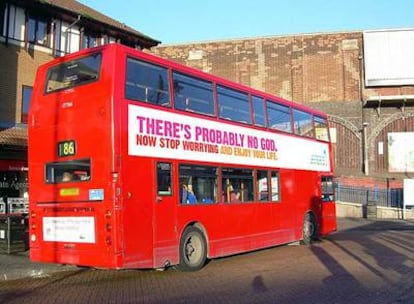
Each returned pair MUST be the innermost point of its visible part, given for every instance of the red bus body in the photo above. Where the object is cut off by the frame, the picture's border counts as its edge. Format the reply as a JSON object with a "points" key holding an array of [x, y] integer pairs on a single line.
{"points": [[117, 213]]}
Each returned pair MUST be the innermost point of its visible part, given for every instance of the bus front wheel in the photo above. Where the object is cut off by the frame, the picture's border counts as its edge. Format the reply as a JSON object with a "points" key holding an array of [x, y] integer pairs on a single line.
{"points": [[193, 250], [310, 229]]}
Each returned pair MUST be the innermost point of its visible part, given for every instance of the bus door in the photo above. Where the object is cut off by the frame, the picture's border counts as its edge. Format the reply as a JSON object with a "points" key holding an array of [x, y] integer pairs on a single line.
{"points": [[165, 238], [328, 219]]}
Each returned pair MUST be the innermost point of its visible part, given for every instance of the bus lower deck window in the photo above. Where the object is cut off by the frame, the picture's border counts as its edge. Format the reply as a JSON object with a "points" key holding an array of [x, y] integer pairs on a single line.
{"points": [[68, 171]]}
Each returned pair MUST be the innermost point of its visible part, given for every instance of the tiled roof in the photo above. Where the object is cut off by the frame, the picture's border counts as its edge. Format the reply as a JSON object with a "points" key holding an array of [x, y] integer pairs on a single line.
{"points": [[14, 136], [89, 13]]}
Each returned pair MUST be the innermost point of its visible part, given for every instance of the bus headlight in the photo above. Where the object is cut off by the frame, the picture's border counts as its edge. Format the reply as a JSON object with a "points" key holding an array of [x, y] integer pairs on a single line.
{"points": [[33, 237]]}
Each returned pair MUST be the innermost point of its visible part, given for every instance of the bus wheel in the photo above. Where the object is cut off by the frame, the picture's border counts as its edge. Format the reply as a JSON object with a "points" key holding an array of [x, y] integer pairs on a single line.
{"points": [[193, 250], [309, 229]]}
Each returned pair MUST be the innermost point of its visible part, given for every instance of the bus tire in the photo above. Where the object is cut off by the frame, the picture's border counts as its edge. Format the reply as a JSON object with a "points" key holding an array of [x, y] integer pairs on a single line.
{"points": [[193, 250], [309, 230]]}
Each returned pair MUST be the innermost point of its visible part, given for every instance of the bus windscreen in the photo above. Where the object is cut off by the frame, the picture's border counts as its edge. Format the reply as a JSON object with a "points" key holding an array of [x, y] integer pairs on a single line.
{"points": [[73, 73]]}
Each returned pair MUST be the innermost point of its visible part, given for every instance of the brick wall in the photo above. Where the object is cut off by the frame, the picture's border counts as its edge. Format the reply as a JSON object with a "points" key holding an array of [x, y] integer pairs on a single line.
{"points": [[17, 67], [304, 68]]}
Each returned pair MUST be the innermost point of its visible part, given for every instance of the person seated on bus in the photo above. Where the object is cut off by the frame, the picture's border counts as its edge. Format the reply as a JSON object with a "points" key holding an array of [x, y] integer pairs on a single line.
{"points": [[67, 176], [191, 198], [234, 196], [207, 200], [183, 194]]}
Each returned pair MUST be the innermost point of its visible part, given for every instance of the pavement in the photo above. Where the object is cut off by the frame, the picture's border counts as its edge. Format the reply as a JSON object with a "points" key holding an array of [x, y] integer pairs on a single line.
{"points": [[18, 265]]}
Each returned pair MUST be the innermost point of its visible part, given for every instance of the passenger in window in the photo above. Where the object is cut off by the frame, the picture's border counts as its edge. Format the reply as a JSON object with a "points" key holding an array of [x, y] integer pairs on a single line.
{"points": [[184, 194], [187, 195], [234, 196], [191, 198], [67, 176]]}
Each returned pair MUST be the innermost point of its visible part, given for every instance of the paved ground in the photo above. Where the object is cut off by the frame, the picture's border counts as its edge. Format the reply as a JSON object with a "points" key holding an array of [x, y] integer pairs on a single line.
{"points": [[364, 262], [18, 266]]}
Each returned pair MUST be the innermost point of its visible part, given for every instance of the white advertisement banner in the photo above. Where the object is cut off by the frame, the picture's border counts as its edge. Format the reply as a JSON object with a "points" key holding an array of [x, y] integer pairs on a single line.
{"points": [[156, 133], [408, 192], [401, 152], [69, 229]]}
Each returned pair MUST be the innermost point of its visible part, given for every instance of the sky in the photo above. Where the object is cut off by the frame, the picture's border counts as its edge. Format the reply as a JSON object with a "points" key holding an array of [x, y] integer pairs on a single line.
{"points": [[184, 21]]}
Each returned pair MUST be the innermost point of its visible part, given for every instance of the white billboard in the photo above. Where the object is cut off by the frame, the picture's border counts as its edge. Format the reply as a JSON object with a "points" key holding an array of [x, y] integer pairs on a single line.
{"points": [[155, 133], [69, 229], [388, 57], [401, 152]]}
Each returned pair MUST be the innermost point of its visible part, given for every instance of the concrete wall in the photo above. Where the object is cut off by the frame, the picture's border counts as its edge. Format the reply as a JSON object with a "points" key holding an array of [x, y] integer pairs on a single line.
{"points": [[344, 209]]}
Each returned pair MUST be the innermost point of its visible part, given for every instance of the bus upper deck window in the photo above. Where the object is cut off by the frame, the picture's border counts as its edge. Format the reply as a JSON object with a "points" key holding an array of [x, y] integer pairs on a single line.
{"points": [[74, 73]]}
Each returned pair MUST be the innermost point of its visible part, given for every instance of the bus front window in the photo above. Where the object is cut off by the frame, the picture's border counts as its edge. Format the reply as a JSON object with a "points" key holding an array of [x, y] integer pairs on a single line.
{"points": [[69, 171], [328, 189]]}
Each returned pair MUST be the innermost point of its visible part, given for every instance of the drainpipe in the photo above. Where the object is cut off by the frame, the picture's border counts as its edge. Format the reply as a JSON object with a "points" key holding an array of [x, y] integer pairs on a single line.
{"points": [[67, 49], [365, 147]]}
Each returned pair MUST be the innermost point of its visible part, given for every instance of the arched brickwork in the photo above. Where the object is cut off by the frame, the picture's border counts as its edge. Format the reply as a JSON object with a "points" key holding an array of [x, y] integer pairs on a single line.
{"points": [[347, 146], [398, 122]]}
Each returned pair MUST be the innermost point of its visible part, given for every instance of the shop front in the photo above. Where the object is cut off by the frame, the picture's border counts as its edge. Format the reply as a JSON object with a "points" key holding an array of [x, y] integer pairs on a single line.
{"points": [[13, 187]]}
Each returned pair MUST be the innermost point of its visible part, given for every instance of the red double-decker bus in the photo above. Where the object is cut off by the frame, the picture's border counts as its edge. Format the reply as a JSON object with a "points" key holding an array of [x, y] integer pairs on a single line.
{"points": [[139, 162]]}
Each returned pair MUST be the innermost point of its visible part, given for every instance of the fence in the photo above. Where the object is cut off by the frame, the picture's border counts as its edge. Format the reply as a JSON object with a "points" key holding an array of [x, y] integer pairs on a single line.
{"points": [[380, 197]]}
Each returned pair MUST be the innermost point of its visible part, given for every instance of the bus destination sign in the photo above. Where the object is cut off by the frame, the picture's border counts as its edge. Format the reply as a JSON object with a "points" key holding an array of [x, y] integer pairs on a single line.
{"points": [[66, 148]]}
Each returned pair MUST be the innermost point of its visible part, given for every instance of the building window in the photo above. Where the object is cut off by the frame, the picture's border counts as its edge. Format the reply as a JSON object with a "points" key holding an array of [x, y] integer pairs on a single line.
{"points": [[89, 41], [14, 19], [37, 31], [26, 97], [2, 18]]}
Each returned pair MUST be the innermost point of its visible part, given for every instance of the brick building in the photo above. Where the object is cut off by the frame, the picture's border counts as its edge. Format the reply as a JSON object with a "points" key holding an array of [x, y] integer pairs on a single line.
{"points": [[361, 79], [31, 33]]}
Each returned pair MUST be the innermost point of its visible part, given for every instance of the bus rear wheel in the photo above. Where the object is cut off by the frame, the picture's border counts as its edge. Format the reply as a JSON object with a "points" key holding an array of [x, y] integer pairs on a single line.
{"points": [[310, 230], [193, 250]]}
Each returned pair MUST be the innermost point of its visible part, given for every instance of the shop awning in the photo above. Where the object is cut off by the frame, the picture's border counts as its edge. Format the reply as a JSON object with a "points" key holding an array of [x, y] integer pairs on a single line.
{"points": [[13, 136]]}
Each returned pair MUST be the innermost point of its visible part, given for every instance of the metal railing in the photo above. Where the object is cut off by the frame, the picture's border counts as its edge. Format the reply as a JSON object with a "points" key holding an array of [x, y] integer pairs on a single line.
{"points": [[392, 197]]}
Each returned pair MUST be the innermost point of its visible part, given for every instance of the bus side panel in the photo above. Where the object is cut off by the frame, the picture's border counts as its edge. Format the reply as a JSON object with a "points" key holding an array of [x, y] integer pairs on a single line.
{"points": [[328, 220], [300, 194], [137, 226]]}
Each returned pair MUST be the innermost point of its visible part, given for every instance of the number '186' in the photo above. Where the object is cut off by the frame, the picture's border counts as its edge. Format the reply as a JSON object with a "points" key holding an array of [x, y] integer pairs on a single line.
{"points": [[67, 148]]}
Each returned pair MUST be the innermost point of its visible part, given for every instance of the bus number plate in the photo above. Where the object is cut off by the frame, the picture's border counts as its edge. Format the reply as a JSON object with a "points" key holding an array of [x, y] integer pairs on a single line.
{"points": [[66, 148]]}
